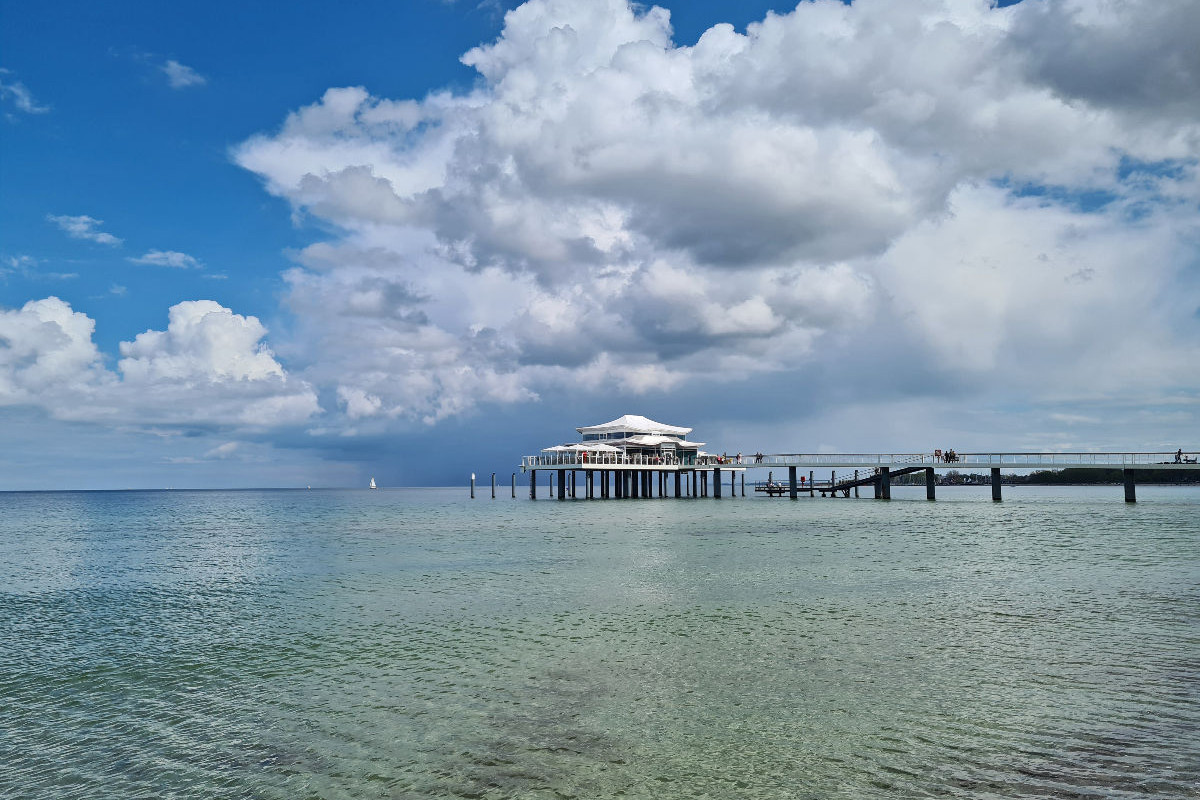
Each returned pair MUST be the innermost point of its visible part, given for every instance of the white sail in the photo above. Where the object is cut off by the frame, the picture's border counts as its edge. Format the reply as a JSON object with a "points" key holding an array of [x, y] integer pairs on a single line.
{"points": [[373, 486]]}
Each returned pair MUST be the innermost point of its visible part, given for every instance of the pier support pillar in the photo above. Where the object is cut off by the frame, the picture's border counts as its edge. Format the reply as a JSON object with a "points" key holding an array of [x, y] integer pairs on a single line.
{"points": [[996, 484], [1130, 491], [704, 484], [930, 484], [885, 482], [743, 484], [533, 484], [678, 488], [810, 484], [717, 482], [619, 484], [856, 481], [792, 482], [589, 479], [562, 484]]}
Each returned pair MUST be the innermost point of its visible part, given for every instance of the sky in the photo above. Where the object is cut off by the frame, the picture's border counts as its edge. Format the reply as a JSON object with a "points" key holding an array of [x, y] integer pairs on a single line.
{"points": [[260, 245]]}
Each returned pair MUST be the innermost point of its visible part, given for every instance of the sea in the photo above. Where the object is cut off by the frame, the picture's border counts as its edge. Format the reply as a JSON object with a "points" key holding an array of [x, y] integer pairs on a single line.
{"points": [[416, 643]]}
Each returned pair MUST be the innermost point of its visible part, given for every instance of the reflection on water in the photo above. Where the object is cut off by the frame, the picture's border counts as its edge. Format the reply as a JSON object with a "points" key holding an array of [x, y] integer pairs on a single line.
{"points": [[416, 644]]}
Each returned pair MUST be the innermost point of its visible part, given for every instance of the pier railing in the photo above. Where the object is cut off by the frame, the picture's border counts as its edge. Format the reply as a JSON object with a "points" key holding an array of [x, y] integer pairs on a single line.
{"points": [[872, 460], [1004, 460]]}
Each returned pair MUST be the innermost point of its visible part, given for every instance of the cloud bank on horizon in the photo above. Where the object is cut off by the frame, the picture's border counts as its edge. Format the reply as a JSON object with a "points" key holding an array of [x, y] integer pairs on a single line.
{"points": [[997, 205]]}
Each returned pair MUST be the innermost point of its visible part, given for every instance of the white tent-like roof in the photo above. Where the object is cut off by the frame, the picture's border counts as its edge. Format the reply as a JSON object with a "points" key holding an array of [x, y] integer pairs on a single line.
{"points": [[633, 423]]}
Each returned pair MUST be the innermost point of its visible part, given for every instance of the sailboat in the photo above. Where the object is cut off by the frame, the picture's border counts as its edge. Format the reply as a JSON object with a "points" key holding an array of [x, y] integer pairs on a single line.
{"points": [[373, 486]]}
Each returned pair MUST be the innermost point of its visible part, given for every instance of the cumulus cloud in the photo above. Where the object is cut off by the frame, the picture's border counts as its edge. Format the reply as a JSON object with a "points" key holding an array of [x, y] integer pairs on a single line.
{"points": [[181, 76], [84, 227], [209, 367], [167, 258], [16, 92], [610, 208]]}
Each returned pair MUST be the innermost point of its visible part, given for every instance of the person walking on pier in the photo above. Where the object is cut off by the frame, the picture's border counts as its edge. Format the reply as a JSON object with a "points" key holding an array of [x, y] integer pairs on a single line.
{"points": [[1179, 456]]}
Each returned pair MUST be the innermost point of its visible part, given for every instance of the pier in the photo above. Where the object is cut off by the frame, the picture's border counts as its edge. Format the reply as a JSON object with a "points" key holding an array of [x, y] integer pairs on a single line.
{"points": [[608, 475]]}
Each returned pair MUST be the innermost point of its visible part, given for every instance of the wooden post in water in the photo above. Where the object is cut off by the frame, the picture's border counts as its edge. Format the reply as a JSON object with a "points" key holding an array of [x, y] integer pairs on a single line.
{"points": [[930, 484], [562, 484], [1130, 491], [792, 482], [885, 482], [856, 482], [733, 484], [810, 484], [995, 484], [832, 482], [533, 484], [678, 488], [717, 482], [493, 486], [514, 482], [472, 485], [743, 484]]}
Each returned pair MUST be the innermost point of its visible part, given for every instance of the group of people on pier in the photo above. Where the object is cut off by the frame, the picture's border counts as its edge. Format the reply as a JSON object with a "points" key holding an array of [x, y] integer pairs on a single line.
{"points": [[948, 456]]}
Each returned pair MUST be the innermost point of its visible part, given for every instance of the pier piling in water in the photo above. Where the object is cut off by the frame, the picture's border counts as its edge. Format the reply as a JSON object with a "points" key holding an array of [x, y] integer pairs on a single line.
{"points": [[930, 484], [995, 484], [1130, 491], [885, 483], [493, 486]]}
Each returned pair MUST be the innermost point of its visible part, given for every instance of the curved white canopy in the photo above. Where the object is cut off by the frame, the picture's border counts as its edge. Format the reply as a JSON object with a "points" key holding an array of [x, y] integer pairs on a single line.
{"points": [[634, 423]]}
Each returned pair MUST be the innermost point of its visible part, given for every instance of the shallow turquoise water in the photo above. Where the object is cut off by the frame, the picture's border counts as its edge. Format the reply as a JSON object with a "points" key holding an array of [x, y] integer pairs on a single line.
{"points": [[413, 643]]}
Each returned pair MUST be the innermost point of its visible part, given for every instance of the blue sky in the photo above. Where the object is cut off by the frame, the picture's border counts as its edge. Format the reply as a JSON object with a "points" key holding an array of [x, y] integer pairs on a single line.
{"points": [[265, 246]]}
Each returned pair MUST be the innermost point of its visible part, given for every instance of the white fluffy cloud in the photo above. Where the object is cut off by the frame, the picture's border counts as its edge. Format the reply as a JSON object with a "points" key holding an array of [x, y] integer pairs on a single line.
{"points": [[84, 227], [209, 367], [611, 208], [181, 76], [167, 258], [19, 95]]}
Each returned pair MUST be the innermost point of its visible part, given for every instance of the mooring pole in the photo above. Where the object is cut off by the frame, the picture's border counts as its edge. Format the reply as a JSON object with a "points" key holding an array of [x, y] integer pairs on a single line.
{"points": [[810, 484], [996, 484], [533, 484], [930, 484], [856, 483], [514, 497], [472, 485], [792, 482], [885, 482], [743, 484], [493, 486], [1130, 491]]}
